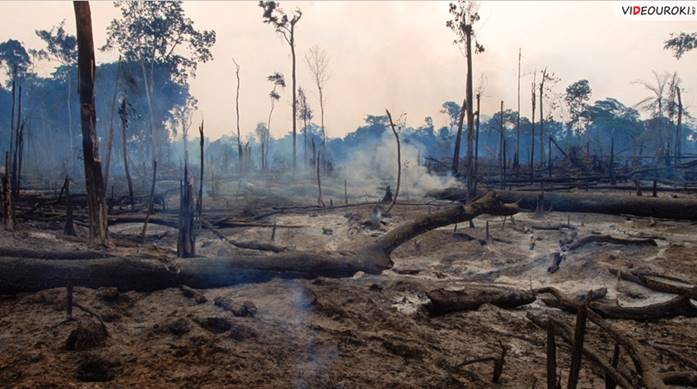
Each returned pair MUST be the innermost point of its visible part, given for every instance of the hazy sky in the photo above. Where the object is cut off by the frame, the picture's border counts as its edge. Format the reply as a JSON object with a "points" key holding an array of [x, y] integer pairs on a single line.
{"points": [[398, 55]]}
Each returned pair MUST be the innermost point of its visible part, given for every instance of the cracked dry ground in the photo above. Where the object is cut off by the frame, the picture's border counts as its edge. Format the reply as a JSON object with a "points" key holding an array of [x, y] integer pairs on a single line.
{"points": [[365, 331]]}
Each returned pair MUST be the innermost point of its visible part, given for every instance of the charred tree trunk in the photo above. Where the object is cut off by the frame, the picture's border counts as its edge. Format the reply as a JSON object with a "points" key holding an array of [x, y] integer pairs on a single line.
{"points": [[237, 117], [399, 162], [470, 114], [516, 161], [110, 134], [97, 210], [458, 139], [186, 241], [150, 201], [68, 229], [17, 145], [8, 214], [475, 170], [199, 201], [532, 137], [124, 148], [320, 202], [678, 129], [295, 100], [542, 119]]}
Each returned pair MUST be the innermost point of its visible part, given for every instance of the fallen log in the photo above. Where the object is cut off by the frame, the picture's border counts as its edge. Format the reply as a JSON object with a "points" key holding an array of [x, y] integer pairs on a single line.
{"points": [[138, 273], [609, 239], [678, 306], [650, 282], [612, 204], [447, 301], [51, 254]]}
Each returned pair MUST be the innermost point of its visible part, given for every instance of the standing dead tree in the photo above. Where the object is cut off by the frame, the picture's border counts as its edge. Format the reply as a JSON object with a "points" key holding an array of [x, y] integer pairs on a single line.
{"points": [[278, 80], [318, 62], [68, 229], [399, 162], [8, 212], [237, 117], [305, 114], [123, 114], [284, 25], [110, 133], [150, 201], [516, 159], [199, 200], [542, 118], [96, 204], [319, 176], [532, 134], [464, 14], [186, 240]]}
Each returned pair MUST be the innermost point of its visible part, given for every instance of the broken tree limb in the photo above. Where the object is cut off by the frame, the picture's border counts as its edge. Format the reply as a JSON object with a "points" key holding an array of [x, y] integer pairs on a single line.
{"points": [[613, 204], [678, 306], [51, 254], [650, 282], [139, 273], [447, 301], [261, 246]]}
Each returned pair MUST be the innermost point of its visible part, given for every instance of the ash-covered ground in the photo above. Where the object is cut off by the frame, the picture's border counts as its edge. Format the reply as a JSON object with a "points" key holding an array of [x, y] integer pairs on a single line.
{"points": [[364, 331]]}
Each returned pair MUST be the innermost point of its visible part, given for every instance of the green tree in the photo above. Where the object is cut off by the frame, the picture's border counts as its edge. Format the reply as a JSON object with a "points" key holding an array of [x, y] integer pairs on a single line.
{"points": [[61, 47], [285, 26], [159, 33], [577, 96], [681, 43]]}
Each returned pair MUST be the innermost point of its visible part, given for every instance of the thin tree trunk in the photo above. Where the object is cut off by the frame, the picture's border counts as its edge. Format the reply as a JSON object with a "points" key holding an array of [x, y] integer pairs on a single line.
{"points": [[124, 149], [237, 116], [8, 207], [14, 178], [542, 119], [71, 164], [12, 119], [110, 134], [93, 172], [399, 163], [292, 54], [517, 126], [678, 129], [532, 137], [186, 241], [321, 115], [476, 153], [151, 122], [150, 201], [458, 139], [470, 114], [199, 201], [319, 180], [500, 144], [68, 229]]}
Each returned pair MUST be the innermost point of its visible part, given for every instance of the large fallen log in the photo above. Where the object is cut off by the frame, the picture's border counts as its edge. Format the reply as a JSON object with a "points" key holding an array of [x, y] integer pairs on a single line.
{"points": [[138, 273], [446, 301], [606, 203], [682, 288]]}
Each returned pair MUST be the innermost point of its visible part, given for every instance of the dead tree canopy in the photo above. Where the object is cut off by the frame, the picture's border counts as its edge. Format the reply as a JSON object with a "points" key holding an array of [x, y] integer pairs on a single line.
{"points": [[21, 274], [669, 208]]}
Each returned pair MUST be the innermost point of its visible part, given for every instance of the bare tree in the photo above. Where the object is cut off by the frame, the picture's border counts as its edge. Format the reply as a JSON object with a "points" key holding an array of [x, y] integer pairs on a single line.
{"points": [[97, 211], [284, 25], [318, 62], [399, 162], [123, 115], [532, 130], [237, 114], [464, 14], [516, 162]]}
